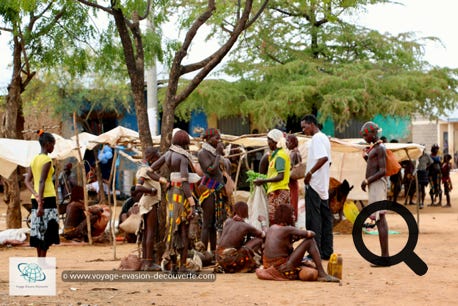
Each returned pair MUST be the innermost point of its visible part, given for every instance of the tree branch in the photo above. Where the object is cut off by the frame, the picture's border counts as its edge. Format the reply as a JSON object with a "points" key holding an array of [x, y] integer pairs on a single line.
{"points": [[148, 7], [53, 22], [44, 11], [305, 15], [320, 22], [250, 22], [76, 38], [126, 41], [26, 58], [196, 66], [97, 6], [29, 77], [194, 28], [213, 60], [258, 13], [6, 29], [271, 56], [176, 68], [34, 18]]}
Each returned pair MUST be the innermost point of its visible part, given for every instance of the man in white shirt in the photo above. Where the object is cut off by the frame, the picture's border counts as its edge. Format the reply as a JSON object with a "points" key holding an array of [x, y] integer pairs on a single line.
{"points": [[318, 215]]}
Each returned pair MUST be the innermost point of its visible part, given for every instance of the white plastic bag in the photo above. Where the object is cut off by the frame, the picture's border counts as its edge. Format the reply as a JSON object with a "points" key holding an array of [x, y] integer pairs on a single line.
{"points": [[300, 222], [258, 205], [15, 235]]}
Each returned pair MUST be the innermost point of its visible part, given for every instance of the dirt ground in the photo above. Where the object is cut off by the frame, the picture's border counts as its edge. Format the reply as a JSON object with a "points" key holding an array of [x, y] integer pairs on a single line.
{"points": [[360, 285]]}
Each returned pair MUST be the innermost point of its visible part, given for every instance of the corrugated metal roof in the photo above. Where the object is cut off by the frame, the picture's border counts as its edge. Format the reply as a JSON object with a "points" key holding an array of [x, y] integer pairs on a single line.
{"points": [[452, 117]]}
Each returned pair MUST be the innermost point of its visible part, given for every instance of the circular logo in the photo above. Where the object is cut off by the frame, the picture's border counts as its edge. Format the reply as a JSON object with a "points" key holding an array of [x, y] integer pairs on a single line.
{"points": [[31, 272], [406, 255]]}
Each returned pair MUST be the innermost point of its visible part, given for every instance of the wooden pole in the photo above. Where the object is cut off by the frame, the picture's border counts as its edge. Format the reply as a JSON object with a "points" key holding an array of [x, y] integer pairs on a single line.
{"points": [[239, 165], [81, 164], [417, 200], [113, 210]]}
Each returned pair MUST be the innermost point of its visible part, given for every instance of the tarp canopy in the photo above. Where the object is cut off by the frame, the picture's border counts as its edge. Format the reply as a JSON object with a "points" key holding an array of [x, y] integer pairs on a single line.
{"points": [[347, 162], [20, 152], [84, 140], [346, 155], [114, 137]]}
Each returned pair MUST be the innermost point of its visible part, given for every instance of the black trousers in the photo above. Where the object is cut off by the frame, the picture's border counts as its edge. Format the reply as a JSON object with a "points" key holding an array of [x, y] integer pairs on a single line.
{"points": [[318, 218]]}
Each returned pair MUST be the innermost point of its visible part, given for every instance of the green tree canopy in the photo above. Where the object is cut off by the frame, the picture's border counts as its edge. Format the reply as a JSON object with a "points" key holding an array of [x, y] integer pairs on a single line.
{"points": [[44, 34], [305, 57]]}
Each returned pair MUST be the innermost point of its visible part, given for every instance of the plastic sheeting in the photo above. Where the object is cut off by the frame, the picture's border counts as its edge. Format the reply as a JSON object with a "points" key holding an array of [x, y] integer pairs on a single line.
{"points": [[16, 152], [346, 155], [114, 136], [258, 206]]}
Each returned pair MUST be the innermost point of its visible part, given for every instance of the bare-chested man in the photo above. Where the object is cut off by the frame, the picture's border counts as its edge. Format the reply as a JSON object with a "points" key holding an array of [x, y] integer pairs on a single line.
{"points": [[181, 206], [213, 200], [375, 180], [280, 260], [240, 242]]}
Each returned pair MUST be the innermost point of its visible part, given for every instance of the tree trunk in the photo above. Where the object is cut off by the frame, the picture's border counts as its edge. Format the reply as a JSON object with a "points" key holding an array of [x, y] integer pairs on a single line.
{"points": [[12, 127], [135, 63], [168, 118], [12, 200], [142, 113]]}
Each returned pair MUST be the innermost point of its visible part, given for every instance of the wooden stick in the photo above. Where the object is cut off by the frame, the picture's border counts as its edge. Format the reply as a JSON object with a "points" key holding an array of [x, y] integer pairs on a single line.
{"points": [[113, 211], [81, 164]]}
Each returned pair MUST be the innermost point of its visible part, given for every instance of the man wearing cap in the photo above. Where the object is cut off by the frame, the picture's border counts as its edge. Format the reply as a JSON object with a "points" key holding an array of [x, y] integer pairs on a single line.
{"points": [[278, 173], [318, 217], [376, 182], [213, 199]]}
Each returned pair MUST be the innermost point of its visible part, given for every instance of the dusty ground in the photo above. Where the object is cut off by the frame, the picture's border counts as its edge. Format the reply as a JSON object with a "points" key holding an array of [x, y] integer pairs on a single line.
{"points": [[361, 284]]}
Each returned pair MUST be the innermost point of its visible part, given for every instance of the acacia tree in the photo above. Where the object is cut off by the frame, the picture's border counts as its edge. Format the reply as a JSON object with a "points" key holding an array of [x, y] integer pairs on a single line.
{"points": [[236, 18], [127, 16], [194, 15], [43, 34], [306, 57]]}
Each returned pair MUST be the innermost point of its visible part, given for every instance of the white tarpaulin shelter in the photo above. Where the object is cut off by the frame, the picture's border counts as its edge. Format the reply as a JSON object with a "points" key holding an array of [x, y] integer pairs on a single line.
{"points": [[16, 152], [113, 137], [84, 140], [347, 160]]}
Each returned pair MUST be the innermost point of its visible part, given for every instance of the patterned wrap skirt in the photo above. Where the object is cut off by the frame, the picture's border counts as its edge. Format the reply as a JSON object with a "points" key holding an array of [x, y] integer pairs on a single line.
{"points": [[44, 230]]}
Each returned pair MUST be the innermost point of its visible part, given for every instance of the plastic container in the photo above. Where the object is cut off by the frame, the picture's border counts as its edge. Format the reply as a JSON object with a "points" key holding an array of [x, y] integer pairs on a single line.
{"points": [[335, 265]]}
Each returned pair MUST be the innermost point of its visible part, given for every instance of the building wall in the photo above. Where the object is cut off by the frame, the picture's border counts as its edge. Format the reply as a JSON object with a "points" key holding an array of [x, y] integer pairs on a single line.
{"points": [[424, 132], [392, 128], [442, 132], [234, 125], [198, 123], [448, 133]]}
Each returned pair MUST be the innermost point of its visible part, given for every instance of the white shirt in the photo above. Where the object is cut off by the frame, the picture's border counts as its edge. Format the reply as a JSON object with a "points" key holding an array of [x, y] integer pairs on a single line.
{"points": [[319, 147]]}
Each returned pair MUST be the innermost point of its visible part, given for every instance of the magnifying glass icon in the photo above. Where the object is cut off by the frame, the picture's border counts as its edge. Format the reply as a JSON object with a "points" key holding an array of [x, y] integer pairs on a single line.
{"points": [[406, 255]]}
